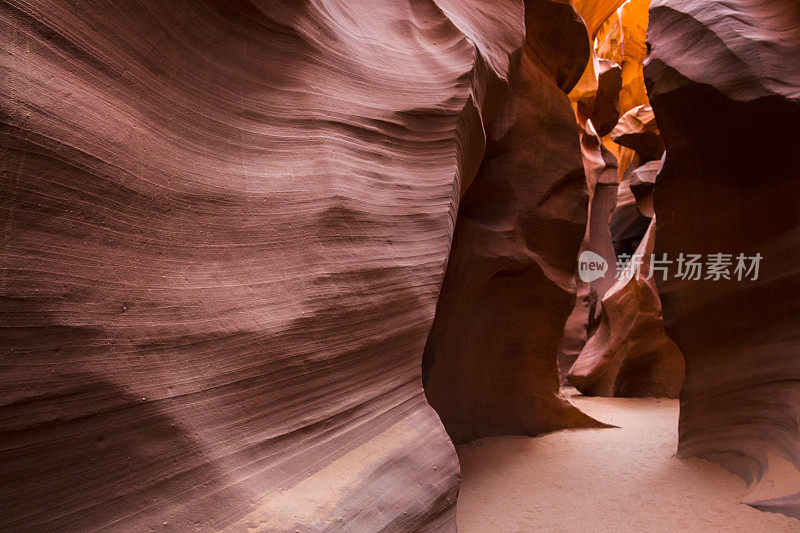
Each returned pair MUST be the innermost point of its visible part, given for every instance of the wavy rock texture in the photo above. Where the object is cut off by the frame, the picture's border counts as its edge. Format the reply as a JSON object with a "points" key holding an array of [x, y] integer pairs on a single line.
{"points": [[601, 80], [224, 228], [601, 181], [614, 341], [594, 13], [637, 130], [724, 82], [630, 354], [491, 355], [605, 111], [642, 185], [595, 100], [633, 20], [621, 39], [628, 224]]}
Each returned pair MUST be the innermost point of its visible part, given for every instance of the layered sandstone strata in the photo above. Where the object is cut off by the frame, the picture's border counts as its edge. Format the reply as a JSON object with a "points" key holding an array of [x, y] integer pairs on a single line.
{"points": [[224, 232], [724, 82]]}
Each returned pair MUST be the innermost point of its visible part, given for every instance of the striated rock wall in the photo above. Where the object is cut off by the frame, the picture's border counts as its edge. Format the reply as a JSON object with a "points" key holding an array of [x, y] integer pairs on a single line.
{"points": [[224, 229], [490, 361], [724, 82]]}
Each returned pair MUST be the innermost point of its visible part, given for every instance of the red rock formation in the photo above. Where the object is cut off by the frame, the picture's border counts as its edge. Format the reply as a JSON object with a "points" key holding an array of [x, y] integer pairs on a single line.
{"points": [[630, 354], [724, 82], [637, 130], [628, 224], [509, 286], [620, 38], [615, 343], [642, 184], [605, 111], [597, 92], [601, 182], [595, 100], [224, 229]]}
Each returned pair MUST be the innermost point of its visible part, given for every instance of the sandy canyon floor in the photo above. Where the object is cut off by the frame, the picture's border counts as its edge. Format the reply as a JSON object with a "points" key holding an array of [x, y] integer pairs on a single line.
{"points": [[616, 479]]}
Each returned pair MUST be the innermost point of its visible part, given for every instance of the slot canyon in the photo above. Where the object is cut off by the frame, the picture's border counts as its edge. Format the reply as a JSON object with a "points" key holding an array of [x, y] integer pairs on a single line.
{"points": [[400, 265]]}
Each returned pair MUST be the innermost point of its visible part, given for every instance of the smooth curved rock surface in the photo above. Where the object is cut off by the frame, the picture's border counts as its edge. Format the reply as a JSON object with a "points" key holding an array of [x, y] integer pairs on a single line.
{"points": [[595, 12], [724, 82], [605, 112], [225, 226], [601, 182], [492, 353], [637, 130], [621, 39], [642, 185], [633, 18], [628, 224], [596, 100], [630, 354]]}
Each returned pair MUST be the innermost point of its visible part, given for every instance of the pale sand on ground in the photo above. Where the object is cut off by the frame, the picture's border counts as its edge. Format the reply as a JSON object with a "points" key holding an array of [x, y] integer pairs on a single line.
{"points": [[616, 479]]}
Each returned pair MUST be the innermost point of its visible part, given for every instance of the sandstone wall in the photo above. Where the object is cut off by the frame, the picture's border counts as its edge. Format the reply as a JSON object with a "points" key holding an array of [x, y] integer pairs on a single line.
{"points": [[224, 229], [724, 82], [491, 358]]}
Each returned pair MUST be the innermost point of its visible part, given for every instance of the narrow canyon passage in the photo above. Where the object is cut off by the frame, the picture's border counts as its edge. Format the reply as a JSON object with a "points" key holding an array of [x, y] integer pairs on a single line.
{"points": [[276, 266], [616, 479]]}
